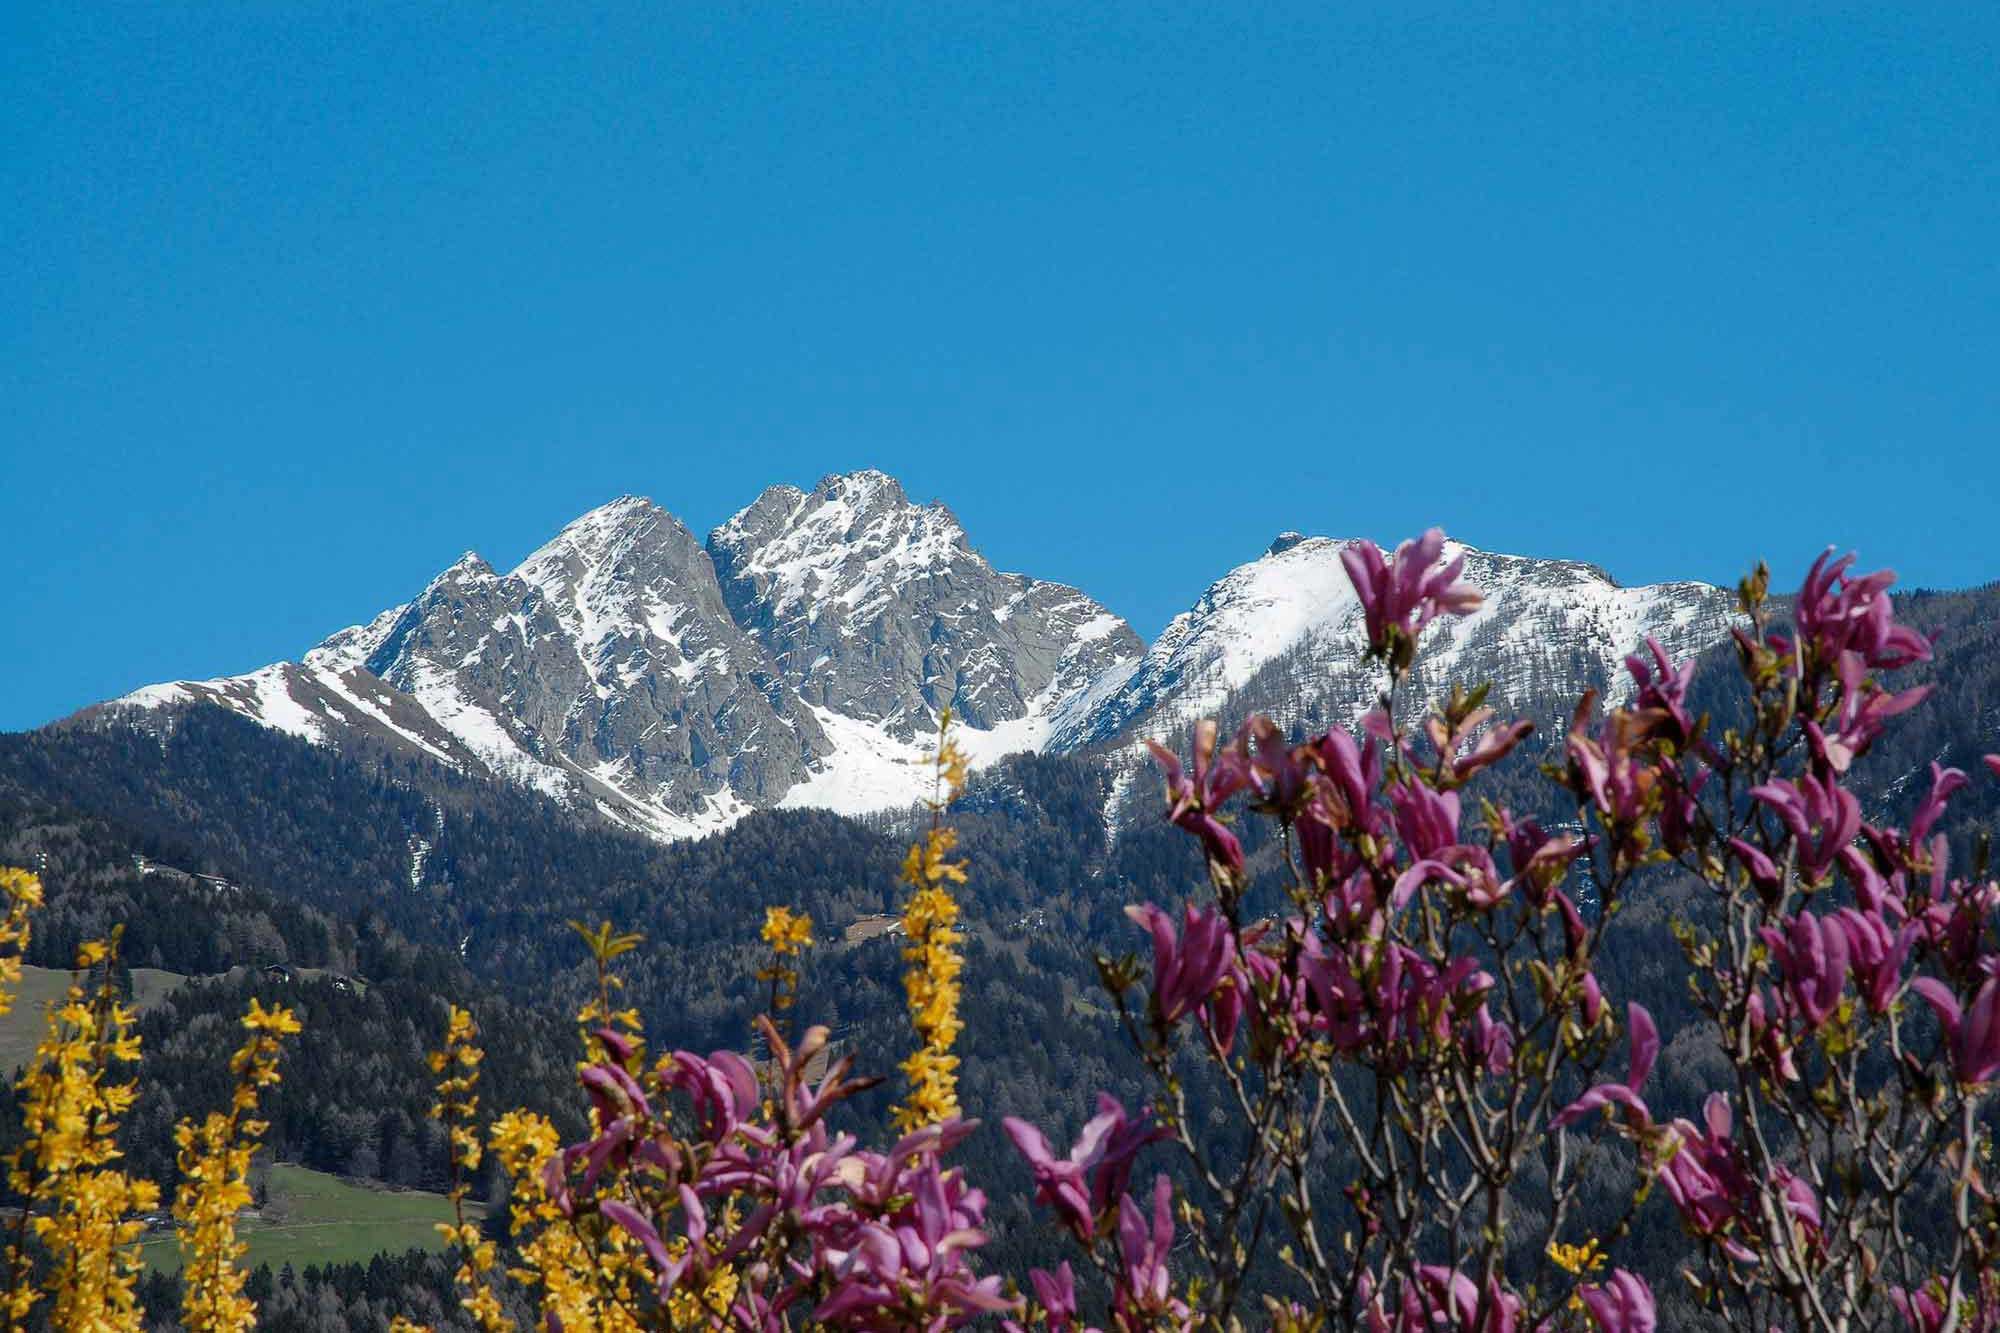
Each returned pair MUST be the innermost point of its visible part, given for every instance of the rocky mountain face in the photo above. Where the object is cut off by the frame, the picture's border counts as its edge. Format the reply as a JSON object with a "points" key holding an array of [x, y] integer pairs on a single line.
{"points": [[879, 609], [606, 661], [802, 654]]}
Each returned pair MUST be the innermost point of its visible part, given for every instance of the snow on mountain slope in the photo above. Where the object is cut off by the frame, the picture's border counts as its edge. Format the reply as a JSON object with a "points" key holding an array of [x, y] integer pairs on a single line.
{"points": [[313, 702], [1288, 628]]}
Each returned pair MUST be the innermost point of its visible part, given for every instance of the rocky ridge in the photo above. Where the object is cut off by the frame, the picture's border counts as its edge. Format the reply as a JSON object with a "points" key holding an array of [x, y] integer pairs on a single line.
{"points": [[801, 656]]}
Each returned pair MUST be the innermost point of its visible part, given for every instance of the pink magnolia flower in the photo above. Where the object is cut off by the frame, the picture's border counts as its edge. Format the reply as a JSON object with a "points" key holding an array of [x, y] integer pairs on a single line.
{"points": [[1624, 1304], [1444, 1300], [1081, 1186], [1926, 1310], [1539, 860], [723, 1088], [1645, 1048], [1920, 1309], [1944, 782], [1992, 762], [1838, 613], [1353, 771], [1974, 1030], [1426, 819], [1663, 687], [1145, 1296], [1194, 798], [1876, 954], [1056, 1293], [1954, 921], [1590, 1004], [915, 1258], [1488, 747], [1813, 954], [1822, 816], [1186, 968], [1865, 709], [1492, 1042], [1401, 595], [1611, 765], [1280, 773], [1709, 1183], [1706, 1179]]}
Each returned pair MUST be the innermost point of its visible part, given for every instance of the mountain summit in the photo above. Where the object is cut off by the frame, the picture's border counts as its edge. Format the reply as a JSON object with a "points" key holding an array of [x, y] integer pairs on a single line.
{"points": [[802, 655]]}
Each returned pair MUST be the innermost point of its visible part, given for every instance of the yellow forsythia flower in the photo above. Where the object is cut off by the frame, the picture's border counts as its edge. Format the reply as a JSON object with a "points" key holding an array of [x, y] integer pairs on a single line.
{"points": [[23, 893], [931, 981], [786, 931], [84, 1213], [1576, 1259], [214, 1161], [457, 1067]]}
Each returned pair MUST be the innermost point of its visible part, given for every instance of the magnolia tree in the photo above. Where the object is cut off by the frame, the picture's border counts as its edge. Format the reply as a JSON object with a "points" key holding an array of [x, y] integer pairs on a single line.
{"points": [[1395, 1011], [1412, 1043]]}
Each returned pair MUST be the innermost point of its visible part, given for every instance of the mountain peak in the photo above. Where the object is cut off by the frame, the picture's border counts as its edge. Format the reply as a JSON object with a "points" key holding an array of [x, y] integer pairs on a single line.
{"points": [[470, 566], [1285, 541], [861, 487], [602, 526]]}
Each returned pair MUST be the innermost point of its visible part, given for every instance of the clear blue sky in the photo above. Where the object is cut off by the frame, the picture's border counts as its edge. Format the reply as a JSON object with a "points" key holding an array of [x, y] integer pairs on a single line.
{"points": [[299, 302]]}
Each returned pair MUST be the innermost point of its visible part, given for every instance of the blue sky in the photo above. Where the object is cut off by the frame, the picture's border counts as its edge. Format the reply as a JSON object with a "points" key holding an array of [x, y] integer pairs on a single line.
{"points": [[299, 302]]}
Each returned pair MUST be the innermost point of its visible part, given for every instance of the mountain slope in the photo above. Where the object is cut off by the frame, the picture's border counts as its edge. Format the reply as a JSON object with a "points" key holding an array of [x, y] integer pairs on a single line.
{"points": [[802, 655], [612, 672], [604, 666], [1288, 627]]}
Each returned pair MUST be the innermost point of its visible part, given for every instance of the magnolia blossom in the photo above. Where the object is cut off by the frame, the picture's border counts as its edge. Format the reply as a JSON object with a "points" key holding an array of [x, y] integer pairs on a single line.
{"points": [[1623, 1304], [1145, 1295], [1645, 1044], [1837, 613], [1813, 953], [1865, 709], [1973, 1031], [1662, 686], [1822, 817], [1436, 1299], [1402, 594], [1876, 954], [1080, 1187], [1186, 967], [1193, 798]]}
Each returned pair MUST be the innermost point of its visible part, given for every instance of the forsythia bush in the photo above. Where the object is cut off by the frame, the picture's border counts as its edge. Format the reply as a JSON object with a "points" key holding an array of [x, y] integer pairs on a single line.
{"points": [[1404, 983]]}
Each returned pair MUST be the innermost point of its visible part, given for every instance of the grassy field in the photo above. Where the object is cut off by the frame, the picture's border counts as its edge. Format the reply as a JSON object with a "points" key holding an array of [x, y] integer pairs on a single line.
{"points": [[313, 1218], [21, 1028]]}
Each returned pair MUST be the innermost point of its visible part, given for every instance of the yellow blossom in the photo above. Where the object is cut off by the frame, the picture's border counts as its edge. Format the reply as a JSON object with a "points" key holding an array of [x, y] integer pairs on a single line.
{"points": [[1577, 1259], [931, 981], [786, 931], [82, 1211], [457, 1067], [214, 1161], [23, 893]]}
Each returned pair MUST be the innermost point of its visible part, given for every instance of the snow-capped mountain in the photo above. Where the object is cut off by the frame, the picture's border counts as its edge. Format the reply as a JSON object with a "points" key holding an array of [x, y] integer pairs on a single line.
{"points": [[802, 654], [607, 662], [612, 670], [1284, 634], [880, 614]]}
